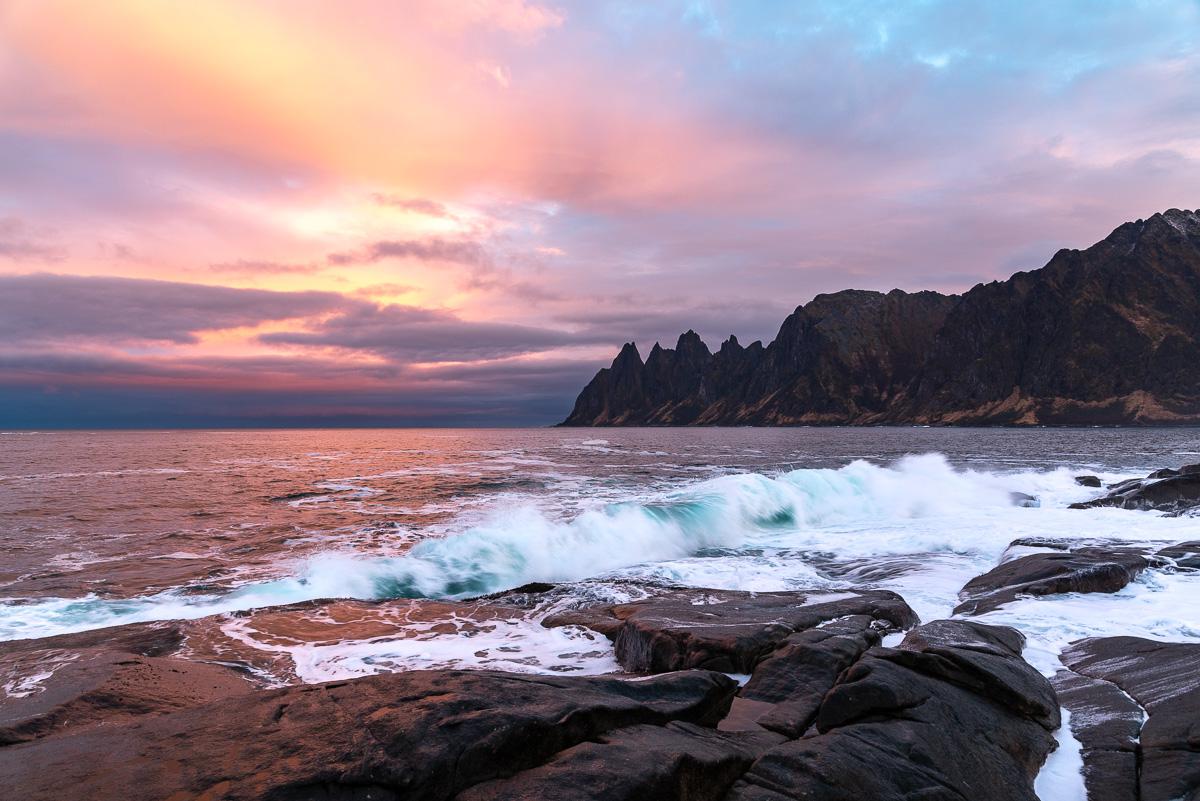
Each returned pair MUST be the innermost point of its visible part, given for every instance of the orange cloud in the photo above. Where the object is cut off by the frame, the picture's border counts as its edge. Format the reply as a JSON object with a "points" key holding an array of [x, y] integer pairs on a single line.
{"points": [[410, 100]]}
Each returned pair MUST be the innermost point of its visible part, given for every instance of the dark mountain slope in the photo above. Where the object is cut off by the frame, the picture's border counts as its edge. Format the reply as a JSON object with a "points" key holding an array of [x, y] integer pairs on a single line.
{"points": [[1106, 335]]}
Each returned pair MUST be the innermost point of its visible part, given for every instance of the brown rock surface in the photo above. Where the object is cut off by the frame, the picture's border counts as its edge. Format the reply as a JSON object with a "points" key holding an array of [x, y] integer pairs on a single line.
{"points": [[79, 680], [1159, 677], [417, 735], [726, 630]]}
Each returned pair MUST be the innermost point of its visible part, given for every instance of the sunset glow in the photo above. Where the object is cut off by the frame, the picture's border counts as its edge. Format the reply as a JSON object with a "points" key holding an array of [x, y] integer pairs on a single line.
{"points": [[424, 211]]}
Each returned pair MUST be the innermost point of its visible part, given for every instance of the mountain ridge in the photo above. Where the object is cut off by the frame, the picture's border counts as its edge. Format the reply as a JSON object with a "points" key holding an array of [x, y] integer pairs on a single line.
{"points": [[1107, 335]]}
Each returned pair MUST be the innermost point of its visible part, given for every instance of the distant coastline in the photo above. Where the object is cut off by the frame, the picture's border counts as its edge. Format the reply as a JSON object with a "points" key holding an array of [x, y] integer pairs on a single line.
{"points": [[1107, 336]]}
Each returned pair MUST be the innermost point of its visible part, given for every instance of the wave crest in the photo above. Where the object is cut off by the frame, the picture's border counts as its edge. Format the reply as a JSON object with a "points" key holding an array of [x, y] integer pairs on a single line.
{"points": [[807, 508]]}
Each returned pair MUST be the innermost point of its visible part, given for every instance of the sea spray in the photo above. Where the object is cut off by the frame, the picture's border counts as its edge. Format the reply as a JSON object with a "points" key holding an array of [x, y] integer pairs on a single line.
{"points": [[921, 504]]}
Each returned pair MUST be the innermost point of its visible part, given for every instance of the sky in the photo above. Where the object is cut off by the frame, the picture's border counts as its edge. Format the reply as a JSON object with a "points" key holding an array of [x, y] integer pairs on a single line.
{"points": [[415, 212]]}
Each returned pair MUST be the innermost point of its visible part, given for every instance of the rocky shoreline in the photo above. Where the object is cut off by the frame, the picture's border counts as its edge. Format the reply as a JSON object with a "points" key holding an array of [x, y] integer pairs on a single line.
{"points": [[724, 695]]}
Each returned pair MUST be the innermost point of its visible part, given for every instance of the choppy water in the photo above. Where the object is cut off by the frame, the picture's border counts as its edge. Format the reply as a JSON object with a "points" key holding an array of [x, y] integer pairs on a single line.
{"points": [[109, 528]]}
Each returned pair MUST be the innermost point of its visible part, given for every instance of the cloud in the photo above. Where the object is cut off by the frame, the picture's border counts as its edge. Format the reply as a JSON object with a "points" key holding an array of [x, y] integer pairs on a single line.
{"points": [[44, 307], [430, 208], [48, 308], [413, 334], [649, 168], [388, 290], [497, 72], [48, 389], [525, 19], [20, 244], [616, 320], [433, 249], [262, 266]]}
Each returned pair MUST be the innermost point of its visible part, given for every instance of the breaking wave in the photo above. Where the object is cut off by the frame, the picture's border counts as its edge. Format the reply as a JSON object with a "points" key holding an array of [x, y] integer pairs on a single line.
{"points": [[861, 509]]}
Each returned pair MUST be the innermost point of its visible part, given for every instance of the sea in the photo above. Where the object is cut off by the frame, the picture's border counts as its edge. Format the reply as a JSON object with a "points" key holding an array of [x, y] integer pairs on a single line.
{"points": [[399, 531]]}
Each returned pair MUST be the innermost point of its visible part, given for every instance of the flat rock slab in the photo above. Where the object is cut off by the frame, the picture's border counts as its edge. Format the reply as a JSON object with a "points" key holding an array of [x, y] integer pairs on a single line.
{"points": [[1084, 569], [417, 735], [1162, 679], [79, 680], [723, 629]]}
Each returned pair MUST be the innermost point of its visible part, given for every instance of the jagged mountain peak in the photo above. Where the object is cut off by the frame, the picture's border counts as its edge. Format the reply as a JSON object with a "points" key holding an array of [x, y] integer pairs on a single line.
{"points": [[629, 357], [731, 345], [1108, 334]]}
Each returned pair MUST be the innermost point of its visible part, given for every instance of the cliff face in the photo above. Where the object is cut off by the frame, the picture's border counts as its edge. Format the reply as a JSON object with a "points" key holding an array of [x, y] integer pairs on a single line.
{"points": [[1106, 335]]}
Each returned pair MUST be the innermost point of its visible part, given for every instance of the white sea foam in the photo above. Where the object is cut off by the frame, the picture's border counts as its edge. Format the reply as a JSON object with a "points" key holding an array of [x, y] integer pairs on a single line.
{"points": [[27, 685], [155, 471], [745, 531], [517, 645], [1061, 777], [1157, 606], [21, 685]]}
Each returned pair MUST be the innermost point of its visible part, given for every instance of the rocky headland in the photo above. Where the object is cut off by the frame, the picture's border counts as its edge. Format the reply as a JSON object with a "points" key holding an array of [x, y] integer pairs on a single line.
{"points": [[1109, 335]]}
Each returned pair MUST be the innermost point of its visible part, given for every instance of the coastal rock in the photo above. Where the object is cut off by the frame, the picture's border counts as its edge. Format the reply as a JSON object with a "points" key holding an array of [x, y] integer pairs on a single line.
{"points": [[826, 713], [893, 727], [1160, 677], [1089, 481], [418, 735], [676, 761], [1168, 490], [1024, 499], [1076, 570], [726, 630], [794, 679], [1183, 554], [1103, 336], [80, 680], [1107, 724]]}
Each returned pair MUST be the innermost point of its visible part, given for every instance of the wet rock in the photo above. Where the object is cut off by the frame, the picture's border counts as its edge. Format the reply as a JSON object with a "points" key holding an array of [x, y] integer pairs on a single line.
{"points": [[1183, 554], [984, 659], [1068, 544], [532, 588], [144, 639], [1161, 678], [723, 629], [954, 713], [1172, 491], [80, 680], [793, 680], [826, 714], [1089, 481], [1170, 472], [1107, 723], [1078, 570], [418, 735], [1024, 499], [676, 761]]}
